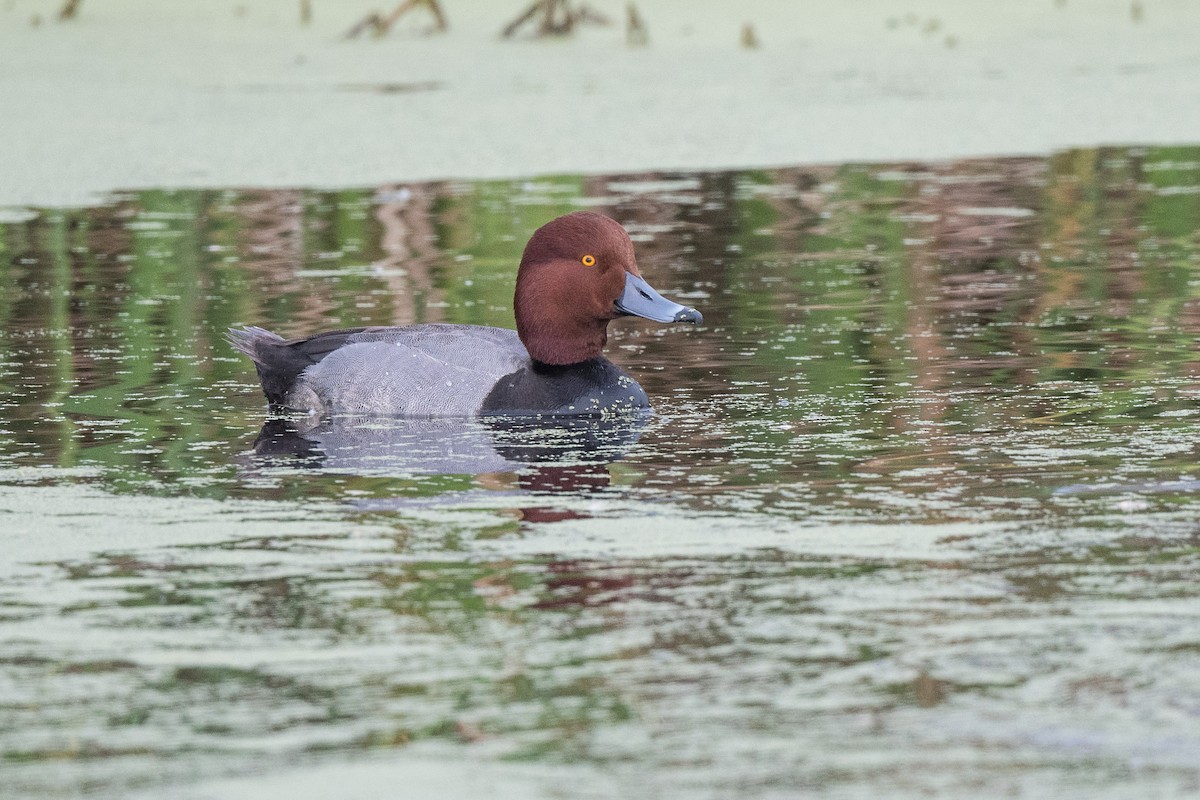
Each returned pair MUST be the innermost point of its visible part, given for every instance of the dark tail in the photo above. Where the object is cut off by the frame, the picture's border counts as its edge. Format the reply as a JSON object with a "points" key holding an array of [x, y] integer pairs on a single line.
{"points": [[278, 364], [246, 340]]}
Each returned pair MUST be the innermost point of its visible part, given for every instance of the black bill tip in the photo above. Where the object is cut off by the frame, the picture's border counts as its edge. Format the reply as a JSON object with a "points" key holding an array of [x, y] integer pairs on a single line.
{"points": [[640, 299]]}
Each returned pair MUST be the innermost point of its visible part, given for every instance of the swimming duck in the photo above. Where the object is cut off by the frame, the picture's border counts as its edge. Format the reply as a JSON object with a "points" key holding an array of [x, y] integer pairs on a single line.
{"points": [[577, 274]]}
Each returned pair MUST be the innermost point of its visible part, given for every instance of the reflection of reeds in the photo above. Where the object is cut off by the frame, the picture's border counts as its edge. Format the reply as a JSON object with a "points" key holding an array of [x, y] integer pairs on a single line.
{"points": [[407, 239], [274, 240], [272, 224], [974, 249], [60, 333]]}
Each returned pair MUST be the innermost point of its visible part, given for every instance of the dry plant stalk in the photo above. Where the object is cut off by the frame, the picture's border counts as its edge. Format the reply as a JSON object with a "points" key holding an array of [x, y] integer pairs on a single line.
{"points": [[69, 10], [636, 34], [379, 24], [557, 18], [749, 38]]}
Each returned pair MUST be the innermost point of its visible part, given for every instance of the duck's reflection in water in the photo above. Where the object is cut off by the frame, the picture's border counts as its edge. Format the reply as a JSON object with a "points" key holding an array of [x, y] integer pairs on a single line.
{"points": [[559, 455]]}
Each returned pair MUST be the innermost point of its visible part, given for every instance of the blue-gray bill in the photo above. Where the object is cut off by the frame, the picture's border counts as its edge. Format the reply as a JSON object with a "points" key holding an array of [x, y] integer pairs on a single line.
{"points": [[640, 299]]}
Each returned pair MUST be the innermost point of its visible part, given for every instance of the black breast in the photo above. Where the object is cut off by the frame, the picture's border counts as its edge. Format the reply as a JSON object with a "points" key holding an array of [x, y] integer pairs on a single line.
{"points": [[591, 387]]}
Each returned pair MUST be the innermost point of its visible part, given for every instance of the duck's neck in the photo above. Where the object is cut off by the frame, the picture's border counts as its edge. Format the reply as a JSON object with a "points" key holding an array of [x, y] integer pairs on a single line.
{"points": [[554, 370], [568, 345]]}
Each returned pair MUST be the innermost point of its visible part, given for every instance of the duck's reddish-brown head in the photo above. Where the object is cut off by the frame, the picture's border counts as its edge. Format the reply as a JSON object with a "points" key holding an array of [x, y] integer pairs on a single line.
{"points": [[577, 274]]}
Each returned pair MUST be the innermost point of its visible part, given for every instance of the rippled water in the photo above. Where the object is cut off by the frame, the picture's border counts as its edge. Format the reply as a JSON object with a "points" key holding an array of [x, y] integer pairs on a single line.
{"points": [[918, 511]]}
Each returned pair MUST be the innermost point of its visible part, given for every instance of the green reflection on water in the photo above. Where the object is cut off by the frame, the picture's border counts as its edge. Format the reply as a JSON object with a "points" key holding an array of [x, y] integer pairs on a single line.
{"points": [[854, 287]]}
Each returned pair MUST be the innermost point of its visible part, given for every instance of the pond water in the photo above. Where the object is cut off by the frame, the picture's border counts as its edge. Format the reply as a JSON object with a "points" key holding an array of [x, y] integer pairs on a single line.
{"points": [[917, 512]]}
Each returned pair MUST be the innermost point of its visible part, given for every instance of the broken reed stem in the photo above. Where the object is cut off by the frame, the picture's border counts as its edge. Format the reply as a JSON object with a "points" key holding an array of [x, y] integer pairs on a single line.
{"points": [[69, 10], [380, 25], [557, 18], [636, 34]]}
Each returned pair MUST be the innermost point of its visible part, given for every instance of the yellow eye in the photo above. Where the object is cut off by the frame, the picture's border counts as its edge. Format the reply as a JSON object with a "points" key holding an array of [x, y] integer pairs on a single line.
{"points": [[589, 260]]}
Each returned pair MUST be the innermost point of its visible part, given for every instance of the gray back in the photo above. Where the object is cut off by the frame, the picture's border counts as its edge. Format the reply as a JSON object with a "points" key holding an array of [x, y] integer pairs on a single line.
{"points": [[434, 370]]}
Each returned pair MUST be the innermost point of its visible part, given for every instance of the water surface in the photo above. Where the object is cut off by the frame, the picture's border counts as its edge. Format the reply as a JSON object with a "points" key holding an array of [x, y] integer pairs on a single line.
{"points": [[916, 513]]}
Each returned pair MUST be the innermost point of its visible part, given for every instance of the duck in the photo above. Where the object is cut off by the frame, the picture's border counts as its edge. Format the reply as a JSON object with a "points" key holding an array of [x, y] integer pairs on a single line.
{"points": [[577, 274]]}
